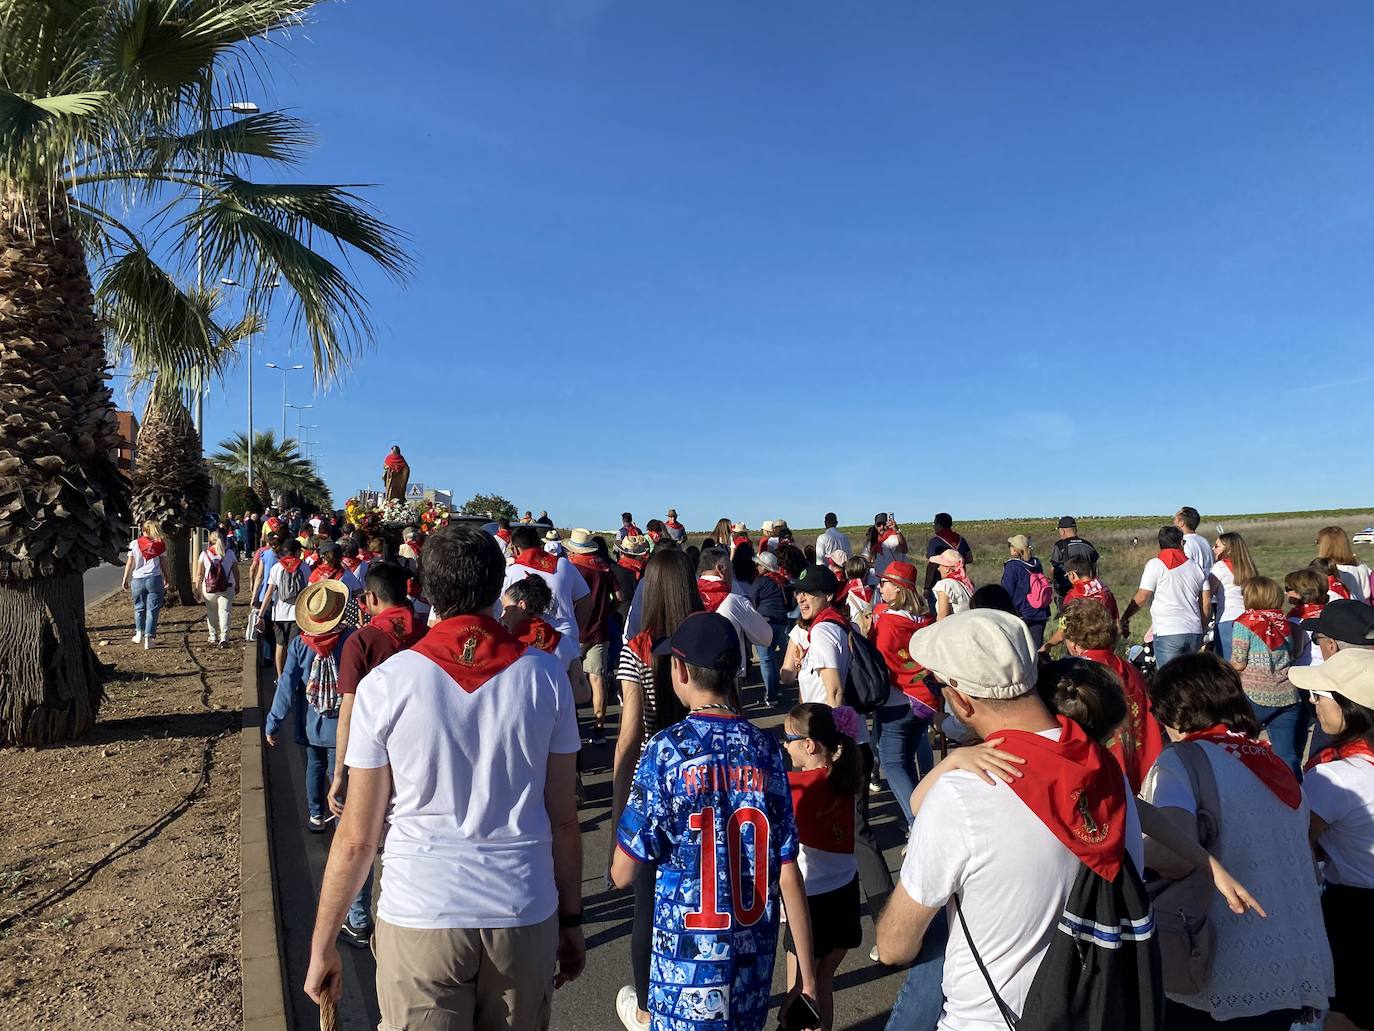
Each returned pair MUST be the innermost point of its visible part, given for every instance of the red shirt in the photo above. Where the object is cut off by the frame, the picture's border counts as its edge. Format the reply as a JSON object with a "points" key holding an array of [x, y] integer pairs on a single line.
{"points": [[368, 648]]}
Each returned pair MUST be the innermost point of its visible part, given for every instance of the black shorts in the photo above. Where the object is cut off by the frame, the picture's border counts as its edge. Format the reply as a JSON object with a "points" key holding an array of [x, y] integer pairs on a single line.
{"points": [[1348, 912], [285, 631], [834, 920]]}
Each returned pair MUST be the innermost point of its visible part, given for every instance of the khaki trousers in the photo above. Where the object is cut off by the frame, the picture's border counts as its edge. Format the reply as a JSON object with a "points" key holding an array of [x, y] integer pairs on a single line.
{"points": [[450, 979]]}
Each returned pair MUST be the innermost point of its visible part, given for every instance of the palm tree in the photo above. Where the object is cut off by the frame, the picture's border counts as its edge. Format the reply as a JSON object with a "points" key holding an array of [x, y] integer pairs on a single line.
{"points": [[110, 171], [171, 484], [278, 467]]}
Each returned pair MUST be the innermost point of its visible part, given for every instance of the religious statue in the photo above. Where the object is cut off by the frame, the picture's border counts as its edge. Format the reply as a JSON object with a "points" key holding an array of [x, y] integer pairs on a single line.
{"points": [[395, 474]]}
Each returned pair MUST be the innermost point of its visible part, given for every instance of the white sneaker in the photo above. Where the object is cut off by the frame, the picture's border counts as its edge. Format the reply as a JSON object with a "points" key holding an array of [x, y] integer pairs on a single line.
{"points": [[148, 642], [627, 1009], [137, 638]]}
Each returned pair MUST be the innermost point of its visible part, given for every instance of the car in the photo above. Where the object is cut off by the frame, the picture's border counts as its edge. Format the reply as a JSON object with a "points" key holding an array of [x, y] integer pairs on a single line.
{"points": [[1365, 536]]}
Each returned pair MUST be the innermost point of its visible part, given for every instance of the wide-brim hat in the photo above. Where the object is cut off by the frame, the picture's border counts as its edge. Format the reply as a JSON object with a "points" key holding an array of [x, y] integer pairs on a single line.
{"points": [[901, 573], [1350, 672], [767, 526], [320, 606], [553, 535], [738, 528], [580, 540], [766, 560], [634, 544], [948, 558]]}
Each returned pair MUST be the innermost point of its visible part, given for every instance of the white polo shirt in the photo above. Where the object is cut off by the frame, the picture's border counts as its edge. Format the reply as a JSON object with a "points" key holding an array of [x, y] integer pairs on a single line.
{"points": [[1176, 607], [470, 843], [568, 588], [830, 542]]}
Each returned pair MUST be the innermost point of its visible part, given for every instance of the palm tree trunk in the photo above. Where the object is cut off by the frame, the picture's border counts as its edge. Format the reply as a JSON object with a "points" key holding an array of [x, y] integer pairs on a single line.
{"points": [[179, 548]]}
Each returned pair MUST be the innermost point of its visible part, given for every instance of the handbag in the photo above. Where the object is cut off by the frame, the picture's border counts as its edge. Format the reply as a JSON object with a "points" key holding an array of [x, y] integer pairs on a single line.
{"points": [[1187, 940]]}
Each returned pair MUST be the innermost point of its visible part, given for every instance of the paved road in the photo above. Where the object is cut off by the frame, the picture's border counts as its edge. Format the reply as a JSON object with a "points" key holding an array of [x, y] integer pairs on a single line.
{"points": [[865, 990], [101, 580]]}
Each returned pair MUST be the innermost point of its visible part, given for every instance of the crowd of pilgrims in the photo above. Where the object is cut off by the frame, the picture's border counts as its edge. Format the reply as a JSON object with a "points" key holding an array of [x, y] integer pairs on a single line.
{"points": [[1231, 780]]}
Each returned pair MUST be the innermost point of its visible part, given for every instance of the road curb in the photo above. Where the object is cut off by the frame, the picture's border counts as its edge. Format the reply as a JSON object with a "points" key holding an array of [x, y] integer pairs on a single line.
{"points": [[264, 1001]]}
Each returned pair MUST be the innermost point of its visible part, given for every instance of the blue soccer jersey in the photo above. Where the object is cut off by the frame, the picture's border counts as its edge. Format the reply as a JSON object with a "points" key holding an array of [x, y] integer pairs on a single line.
{"points": [[711, 806]]}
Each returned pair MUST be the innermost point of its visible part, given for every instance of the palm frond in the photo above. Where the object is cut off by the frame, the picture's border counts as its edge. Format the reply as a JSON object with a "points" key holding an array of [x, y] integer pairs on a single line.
{"points": [[36, 133], [270, 135]]}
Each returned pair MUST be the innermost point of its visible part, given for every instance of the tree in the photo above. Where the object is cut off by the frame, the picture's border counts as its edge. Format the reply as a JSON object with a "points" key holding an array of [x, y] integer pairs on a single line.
{"points": [[110, 170], [171, 483], [241, 499], [488, 504], [278, 467]]}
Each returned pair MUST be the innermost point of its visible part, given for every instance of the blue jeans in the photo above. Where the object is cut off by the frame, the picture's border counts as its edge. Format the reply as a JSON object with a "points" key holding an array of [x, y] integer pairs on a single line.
{"points": [[1287, 727], [902, 741], [1171, 646], [319, 774], [770, 660], [1224, 639], [147, 592], [922, 995]]}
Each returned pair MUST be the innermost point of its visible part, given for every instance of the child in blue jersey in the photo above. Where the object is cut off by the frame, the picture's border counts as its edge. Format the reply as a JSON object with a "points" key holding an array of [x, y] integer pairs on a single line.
{"points": [[710, 804]]}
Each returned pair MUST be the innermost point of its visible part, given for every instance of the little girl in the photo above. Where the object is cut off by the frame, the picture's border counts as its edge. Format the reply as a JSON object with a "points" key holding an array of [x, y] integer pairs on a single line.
{"points": [[825, 781], [522, 608]]}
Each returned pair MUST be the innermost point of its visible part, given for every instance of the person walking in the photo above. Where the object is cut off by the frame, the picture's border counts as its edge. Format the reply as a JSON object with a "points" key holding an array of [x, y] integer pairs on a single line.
{"points": [[675, 530], [1024, 578], [430, 728], [771, 594], [146, 581], [1069, 545], [1231, 567], [218, 581], [1180, 603], [595, 629]]}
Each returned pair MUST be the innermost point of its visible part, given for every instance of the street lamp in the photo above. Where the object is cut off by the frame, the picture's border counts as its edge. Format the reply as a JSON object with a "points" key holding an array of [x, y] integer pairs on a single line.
{"points": [[226, 281], [284, 369], [299, 409]]}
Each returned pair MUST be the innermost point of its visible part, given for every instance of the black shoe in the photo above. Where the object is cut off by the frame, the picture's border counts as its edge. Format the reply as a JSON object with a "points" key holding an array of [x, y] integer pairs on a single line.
{"points": [[358, 937], [316, 824]]}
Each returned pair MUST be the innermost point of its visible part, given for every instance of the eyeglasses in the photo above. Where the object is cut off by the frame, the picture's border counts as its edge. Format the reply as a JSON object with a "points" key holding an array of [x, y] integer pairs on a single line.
{"points": [[789, 738]]}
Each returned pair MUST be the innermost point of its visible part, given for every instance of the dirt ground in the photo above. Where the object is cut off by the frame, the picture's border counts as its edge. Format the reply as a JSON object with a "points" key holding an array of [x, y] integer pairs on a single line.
{"points": [[149, 938]]}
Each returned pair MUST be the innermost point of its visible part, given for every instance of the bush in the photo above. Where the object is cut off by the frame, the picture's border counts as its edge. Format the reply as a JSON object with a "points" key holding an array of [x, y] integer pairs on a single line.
{"points": [[240, 499], [493, 505]]}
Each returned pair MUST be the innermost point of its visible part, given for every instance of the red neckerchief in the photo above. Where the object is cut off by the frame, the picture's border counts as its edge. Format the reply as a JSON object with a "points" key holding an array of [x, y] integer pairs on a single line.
{"points": [[856, 589], [654, 536], [539, 634], [643, 647], [352, 564], [325, 573], [151, 549], [673, 524], [1074, 786], [1139, 749], [537, 558], [825, 819], [948, 536], [503, 534], [713, 593], [393, 461], [1337, 589], [398, 623], [417, 544], [289, 562], [322, 644], [1354, 749], [591, 563], [365, 556], [1094, 590], [1172, 557], [1305, 610], [1269, 625], [631, 530], [739, 539], [891, 635], [633, 563], [829, 614], [778, 578], [1258, 758], [1226, 561], [470, 649], [958, 574]]}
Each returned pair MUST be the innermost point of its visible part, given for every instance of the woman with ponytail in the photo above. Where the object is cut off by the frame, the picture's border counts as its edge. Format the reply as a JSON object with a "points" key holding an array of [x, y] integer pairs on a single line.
{"points": [[147, 582], [826, 779]]}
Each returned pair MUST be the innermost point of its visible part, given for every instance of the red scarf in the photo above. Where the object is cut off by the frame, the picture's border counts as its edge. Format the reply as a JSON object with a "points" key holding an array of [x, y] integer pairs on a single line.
{"points": [[290, 563], [398, 623], [1269, 625], [713, 593], [1259, 759], [739, 539], [470, 649], [959, 574], [825, 819], [151, 549], [322, 644], [654, 536], [351, 564], [1075, 788], [631, 530], [1308, 610], [855, 589], [503, 534], [1139, 747], [778, 578], [417, 544], [591, 563], [1172, 557], [951, 539], [537, 558], [673, 524], [829, 614], [1337, 589], [393, 461], [325, 573], [1094, 590], [891, 635], [1352, 750], [643, 647], [633, 563], [539, 634]]}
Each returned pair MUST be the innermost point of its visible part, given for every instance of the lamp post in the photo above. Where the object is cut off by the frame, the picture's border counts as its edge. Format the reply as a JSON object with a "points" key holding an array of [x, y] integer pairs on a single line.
{"points": [[299, 409], [284, 369], [310, 444], [224, 280]]}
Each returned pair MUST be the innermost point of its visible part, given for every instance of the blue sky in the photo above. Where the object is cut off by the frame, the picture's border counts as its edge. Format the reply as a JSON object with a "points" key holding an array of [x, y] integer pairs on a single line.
{"points": [[770, 259]]}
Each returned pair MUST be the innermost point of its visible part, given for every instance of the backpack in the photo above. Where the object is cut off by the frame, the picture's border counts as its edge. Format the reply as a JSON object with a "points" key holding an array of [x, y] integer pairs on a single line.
{"points": [[1040, 592], [1102, 971], [868, 683], [216, 580], [292, 583]]}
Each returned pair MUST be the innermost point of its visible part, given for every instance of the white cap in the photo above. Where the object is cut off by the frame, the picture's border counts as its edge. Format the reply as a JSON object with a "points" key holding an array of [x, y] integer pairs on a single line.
{"points": [[983, 653]]}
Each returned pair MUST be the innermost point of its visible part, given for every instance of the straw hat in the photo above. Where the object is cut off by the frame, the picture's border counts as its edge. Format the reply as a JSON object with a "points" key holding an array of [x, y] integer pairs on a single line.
{"points": [[767, 526], [553, 535], [634, 544], [738, 528], [580, 541], [320, 606]]}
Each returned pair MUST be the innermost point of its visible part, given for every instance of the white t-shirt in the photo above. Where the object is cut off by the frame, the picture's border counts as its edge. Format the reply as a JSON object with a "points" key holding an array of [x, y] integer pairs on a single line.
{"points": [[830, 542], [1341, 792], [752, 628], [1013, 876], [829, 649], [1226, 593], [282, 612], [1176, 607], [144, 566], [887, 552], [470, 843], [956, 592], [1356, 580], [568, 588], [230, 564], [1199, 550]]}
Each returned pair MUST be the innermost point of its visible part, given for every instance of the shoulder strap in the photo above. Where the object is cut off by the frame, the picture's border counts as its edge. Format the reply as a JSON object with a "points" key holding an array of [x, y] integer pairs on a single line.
{"points": [[1204, 783], [1002, 1007]]}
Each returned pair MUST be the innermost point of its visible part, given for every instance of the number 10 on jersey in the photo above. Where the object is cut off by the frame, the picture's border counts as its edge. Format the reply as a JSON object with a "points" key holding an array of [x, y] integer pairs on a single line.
{"points": [[748, 909]]}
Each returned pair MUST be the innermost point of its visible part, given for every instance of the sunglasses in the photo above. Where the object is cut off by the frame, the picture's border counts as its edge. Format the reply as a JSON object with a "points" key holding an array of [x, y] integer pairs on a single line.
{"points": [[789, 738], [1320, 694]]}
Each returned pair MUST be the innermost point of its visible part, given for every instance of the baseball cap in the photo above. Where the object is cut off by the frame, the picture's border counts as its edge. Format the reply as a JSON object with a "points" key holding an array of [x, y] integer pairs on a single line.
{"points": [[705, 639], [1349, 673], [984, 653], [1068, 523], [1019, 541], [817, 580], [1350, 622], [904, 573]]}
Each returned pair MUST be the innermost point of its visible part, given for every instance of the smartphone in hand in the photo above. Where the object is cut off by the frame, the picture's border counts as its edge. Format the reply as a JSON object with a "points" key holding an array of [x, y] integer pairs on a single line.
{"points": [[802, 1013]]}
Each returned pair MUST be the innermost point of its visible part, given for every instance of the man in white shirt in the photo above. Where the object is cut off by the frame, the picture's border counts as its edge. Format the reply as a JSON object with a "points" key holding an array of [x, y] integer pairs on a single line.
{"points": [[567, 584], [716, 579], [466, 745], [1001, 852], [1179, 596], [831, 541], [1197, 547]]}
